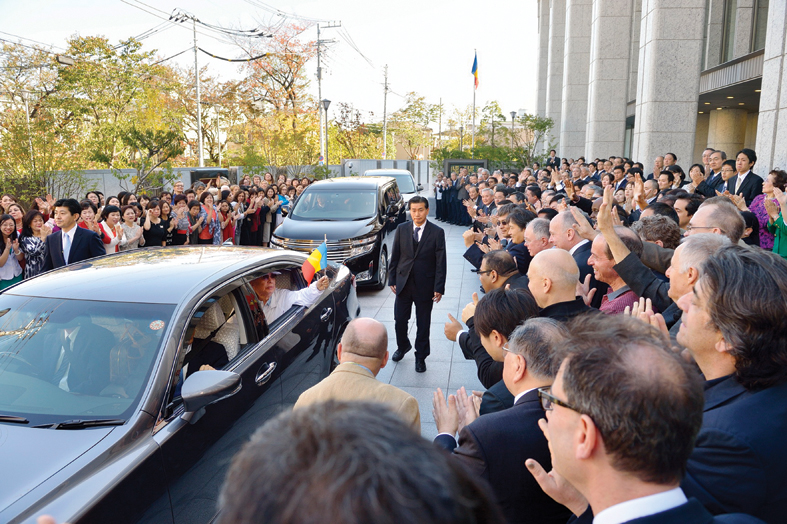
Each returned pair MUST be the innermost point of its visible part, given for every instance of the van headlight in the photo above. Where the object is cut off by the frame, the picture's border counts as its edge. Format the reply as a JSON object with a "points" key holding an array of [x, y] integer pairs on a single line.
{"points": [[362, 245]]}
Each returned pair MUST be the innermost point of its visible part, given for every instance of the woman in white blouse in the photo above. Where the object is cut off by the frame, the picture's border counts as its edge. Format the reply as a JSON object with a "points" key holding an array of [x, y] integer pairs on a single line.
{"points": [[113, 233]]}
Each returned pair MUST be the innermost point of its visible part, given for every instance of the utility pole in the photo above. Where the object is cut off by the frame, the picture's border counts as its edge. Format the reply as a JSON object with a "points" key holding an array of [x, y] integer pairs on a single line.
{"points": [[385, 115], [218, 132], [440, 123], [29, 136], [199, 101], [323, 139]]}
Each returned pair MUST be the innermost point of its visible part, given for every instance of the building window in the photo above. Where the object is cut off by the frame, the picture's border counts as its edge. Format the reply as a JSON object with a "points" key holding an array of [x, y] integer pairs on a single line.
{"points": [[760, 25], [728, 42]]}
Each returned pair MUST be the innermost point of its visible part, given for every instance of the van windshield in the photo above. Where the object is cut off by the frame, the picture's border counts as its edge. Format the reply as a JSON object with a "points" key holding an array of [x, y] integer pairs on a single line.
{"points": [[344, 204], [404, 181]]}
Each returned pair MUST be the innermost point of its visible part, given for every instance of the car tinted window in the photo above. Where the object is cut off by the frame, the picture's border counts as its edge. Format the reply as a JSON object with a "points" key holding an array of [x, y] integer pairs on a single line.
{"points": [[76, 359], [345, 204]]}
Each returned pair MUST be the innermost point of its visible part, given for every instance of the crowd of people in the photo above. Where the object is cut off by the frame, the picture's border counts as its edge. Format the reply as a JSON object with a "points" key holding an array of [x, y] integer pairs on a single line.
{"points": [[205, 213], [632, 341], [631, 338]]}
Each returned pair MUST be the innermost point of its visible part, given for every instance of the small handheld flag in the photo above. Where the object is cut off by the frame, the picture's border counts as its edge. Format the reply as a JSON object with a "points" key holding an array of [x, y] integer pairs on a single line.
{"points": [[475, 70], [317, 261]]}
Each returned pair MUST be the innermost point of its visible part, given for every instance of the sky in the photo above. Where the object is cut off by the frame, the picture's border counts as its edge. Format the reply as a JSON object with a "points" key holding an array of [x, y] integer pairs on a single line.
{"points": [[428, 45]]}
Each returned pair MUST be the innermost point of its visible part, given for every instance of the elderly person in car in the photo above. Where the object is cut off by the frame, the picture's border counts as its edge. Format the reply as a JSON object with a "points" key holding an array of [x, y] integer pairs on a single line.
{"points": [[277, 301]]}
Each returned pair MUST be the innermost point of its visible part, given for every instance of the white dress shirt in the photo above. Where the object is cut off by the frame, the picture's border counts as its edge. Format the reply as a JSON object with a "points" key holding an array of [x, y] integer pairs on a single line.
{"points": [[283, 299], [420, 231], [641, 507], [574, 249], [70, 234]]}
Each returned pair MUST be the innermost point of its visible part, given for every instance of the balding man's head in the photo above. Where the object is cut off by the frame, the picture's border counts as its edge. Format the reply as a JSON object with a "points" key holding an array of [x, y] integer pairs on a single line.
{"points": [[553, 277], [365, 341]]}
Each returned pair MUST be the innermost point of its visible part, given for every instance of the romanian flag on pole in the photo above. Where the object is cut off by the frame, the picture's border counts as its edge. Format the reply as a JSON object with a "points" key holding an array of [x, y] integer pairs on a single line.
{"points": [[317, 260], [475, 70]]}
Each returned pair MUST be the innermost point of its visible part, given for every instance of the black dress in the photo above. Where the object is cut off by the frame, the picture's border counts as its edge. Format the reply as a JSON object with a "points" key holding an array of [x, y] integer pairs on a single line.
{"points": [[156, 234]]}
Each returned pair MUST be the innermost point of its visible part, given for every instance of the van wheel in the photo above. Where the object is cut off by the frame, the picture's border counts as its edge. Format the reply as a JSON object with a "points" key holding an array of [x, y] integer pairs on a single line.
{"points": [[382, 270]]}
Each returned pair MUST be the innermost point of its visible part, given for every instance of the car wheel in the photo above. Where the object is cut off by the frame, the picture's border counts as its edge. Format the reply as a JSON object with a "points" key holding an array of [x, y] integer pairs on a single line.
{"points": [[382, 270]]}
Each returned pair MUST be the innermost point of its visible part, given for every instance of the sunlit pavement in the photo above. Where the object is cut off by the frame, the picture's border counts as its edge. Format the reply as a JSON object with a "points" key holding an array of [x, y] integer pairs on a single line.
{"points": [[445, 367]]}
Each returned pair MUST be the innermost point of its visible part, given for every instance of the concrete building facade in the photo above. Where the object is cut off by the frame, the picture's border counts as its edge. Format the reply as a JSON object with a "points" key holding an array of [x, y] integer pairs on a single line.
{"points": [[640, 78]]}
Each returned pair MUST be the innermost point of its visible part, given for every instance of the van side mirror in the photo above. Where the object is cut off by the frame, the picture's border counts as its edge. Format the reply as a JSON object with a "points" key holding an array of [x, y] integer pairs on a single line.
{"points": [[420, 187]]}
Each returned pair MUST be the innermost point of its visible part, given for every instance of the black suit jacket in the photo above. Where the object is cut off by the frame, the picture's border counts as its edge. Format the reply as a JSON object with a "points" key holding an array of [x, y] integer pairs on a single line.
{"points": [[87, 244], [750, 188], [581, 256], [521, 256], [739, 462], [564, 311], [495, 447], [709, 186], [692, 512], [424, 263], [89, 359], [553, 162]]}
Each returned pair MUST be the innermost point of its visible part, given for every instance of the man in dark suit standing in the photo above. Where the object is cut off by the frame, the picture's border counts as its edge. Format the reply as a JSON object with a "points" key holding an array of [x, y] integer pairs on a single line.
{"points": [[739, 340], [612, 460], [496, 446], [553, 160], [745, 182], [564, 236], [72, 243], [417, 276]]}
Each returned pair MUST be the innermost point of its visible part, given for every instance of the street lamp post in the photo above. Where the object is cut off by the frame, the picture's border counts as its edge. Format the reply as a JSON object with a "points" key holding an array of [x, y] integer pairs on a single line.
{"points": [[325, 103], [513, 115], [461, 137]]}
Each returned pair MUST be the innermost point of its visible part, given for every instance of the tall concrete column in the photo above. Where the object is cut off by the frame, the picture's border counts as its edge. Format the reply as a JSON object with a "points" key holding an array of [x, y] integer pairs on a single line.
{"points": [[543, 57], [772, 119], [554, 102], [744, 17], [575, 78], [670, 54], [727, 130], [609, 71]]}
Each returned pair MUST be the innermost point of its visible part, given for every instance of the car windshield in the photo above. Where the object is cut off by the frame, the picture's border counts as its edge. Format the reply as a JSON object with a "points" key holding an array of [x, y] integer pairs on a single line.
{"points": [[344, 204], [404, 181], [76, 359]]}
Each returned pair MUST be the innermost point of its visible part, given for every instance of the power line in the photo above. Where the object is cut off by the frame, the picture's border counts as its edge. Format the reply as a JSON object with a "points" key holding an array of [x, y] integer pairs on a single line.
{"points": [[250, 59], [173, 56], [34, 41]]}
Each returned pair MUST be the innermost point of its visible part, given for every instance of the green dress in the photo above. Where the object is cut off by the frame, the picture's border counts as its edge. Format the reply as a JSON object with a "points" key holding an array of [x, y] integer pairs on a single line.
{"points": [[779, 230]]}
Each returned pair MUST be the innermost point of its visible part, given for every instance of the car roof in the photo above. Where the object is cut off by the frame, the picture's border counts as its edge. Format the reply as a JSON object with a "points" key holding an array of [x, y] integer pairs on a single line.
{"points": [[386, 172], [156, 275], [355, 182]]}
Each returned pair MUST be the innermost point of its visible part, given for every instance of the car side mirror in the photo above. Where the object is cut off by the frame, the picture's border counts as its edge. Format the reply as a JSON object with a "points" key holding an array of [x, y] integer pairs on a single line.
{"points": [[206, 387], [420, 187]]}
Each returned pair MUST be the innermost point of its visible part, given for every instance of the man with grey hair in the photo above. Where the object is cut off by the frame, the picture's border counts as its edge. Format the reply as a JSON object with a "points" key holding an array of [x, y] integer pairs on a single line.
{"points": [[495, 446], [565, 236], [683, 271], [537, 236], [362, 353]]}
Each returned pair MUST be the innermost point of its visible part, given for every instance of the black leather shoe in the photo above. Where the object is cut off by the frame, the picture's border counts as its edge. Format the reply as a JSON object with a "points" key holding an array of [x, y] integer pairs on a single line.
{"points": [[399, 355], [420, 365]]}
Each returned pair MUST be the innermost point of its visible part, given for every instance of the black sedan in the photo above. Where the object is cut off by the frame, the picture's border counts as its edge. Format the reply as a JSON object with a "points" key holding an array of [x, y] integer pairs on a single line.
{"points": [[105, 411]]}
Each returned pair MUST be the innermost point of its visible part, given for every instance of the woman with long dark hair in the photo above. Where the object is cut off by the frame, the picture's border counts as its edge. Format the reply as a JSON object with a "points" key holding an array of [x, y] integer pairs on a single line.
{"points": [[153, 229], [167, 220], [10, 254], [31, 242]]}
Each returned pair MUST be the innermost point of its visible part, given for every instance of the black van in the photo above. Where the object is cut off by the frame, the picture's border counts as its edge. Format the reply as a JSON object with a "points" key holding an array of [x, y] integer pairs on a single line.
{"points": [[357, 215]]}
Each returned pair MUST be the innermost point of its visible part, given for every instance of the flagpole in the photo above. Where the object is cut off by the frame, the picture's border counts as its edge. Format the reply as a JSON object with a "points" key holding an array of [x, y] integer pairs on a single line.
{"points": [[472, 151]]}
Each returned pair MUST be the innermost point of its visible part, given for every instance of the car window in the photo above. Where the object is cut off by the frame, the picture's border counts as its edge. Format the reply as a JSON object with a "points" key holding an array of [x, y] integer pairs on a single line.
{"points": [[76, 359], [217, 333], [344, 204]]}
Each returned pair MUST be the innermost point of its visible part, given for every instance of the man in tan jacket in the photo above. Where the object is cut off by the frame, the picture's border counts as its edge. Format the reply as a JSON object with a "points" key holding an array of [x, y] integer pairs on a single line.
{"points": [[362, 353]]}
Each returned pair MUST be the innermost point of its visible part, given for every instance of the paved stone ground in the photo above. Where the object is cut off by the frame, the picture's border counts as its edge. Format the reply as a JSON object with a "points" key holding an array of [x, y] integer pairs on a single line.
{"points": [[445, 367]]}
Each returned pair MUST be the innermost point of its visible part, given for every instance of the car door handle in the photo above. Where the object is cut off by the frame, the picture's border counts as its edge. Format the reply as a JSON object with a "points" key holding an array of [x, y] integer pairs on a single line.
{"points": [[326, 314], [265, 373]]}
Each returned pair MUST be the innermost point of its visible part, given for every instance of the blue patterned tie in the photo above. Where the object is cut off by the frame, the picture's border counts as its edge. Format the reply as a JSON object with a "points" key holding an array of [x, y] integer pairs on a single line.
{"points": [[66, 247]]}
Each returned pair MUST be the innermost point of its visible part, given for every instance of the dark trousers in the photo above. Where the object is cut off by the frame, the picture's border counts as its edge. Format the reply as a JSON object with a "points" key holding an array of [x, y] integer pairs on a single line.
{"points": [[403, 306], [439, 209]]}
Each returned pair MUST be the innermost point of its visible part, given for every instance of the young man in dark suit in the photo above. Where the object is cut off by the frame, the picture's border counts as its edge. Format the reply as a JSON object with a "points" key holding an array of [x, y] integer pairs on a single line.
{"points": [[72, 243], [496, 446], [622, 416], [746, 183], [417, 276]]}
